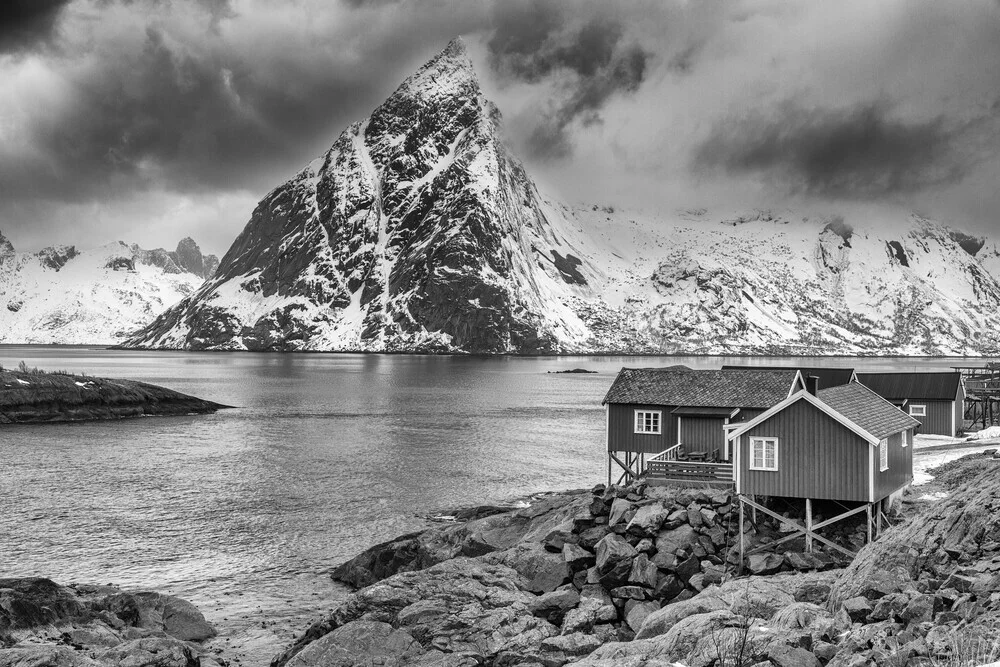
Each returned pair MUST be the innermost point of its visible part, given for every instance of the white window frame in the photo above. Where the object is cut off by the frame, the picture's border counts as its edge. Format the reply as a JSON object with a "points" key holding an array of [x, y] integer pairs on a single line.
{"points": [[640, 422], [907, 437], [883, 455], [921, 408], [763, 442]]}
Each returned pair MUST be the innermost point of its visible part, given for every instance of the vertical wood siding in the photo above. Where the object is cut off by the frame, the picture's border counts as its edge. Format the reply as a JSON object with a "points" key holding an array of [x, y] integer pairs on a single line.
{"points": [[703, 434], [938, 419], [817, 457], [621, 430], [900, 472]]}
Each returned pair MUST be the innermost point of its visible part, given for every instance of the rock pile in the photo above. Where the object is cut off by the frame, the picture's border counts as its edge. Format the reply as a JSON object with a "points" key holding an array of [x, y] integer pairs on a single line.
{"points": [[43, 623]]}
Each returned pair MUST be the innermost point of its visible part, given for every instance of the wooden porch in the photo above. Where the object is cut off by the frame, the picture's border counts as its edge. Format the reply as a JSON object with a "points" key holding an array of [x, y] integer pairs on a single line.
{"points": [[672, 467]]}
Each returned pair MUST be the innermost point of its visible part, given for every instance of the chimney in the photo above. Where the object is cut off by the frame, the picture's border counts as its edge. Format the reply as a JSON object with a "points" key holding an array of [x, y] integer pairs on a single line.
{"points": [[812, 384]]}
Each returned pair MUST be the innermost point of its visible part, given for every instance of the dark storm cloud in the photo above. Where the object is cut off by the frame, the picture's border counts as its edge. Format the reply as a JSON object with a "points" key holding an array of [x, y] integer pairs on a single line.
{"points": [[857, 152], [590, 63], [24, 24], [166, 117], [167, 113]]}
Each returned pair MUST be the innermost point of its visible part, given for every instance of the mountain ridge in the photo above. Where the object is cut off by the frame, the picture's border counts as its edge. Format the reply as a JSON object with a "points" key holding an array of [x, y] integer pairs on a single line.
{"points": [[420, 231], [62, 295]]}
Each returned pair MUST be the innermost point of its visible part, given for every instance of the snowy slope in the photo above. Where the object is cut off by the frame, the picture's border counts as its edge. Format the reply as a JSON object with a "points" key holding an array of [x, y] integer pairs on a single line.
{"points": [[96, 296], [418, 230]]}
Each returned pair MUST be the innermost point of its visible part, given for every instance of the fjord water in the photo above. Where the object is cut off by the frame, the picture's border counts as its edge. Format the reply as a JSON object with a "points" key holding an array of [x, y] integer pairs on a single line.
{"points": [[243, 512]]}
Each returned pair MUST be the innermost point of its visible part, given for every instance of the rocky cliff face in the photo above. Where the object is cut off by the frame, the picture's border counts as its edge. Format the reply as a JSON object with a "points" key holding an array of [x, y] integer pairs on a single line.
{"points": [[418, 230], [63, 295]]}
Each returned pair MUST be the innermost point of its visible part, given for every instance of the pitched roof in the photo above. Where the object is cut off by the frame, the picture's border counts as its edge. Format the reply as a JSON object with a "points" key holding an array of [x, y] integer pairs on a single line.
{"points": [[867, 409], [919, 386], [828, 377], [680, 386]]}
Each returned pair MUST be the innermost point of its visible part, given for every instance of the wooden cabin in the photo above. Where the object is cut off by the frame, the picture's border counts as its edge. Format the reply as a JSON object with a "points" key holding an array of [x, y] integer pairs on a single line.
{"points": [[936, 400], [844, 444], [660, 415], [826, 376]]}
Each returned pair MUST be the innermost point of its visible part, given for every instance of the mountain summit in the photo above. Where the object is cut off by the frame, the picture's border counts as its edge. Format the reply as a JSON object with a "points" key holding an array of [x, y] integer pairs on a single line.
{"points": [[418, 230]]}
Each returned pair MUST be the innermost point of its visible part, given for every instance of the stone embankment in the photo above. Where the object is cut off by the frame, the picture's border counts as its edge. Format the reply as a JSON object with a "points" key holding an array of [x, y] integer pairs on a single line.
{"points": [[642, 576], [38, 397], [43, 624]]}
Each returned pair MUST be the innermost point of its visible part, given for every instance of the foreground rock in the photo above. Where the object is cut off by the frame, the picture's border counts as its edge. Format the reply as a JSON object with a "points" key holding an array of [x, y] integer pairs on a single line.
{"points": [[45, 624], [33, 397]]}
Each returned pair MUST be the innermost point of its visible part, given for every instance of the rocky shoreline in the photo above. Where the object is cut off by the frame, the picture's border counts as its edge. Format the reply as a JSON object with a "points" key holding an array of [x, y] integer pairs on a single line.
{"points": [[646, 576], [625, 576], [32, 397]]}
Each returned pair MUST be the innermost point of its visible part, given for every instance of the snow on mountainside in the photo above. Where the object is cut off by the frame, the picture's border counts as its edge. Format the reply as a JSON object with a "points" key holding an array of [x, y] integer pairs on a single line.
{"points": [[419, 231], [97, 296]]}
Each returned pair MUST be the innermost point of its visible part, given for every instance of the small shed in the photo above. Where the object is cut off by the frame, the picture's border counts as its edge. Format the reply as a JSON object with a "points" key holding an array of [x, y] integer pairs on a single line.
{"points": [[666, 413], [844, 444], [936, 400]]}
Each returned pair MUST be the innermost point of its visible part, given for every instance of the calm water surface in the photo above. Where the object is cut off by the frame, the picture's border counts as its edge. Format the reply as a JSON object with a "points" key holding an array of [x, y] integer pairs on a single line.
{"points": [[243, 512]]}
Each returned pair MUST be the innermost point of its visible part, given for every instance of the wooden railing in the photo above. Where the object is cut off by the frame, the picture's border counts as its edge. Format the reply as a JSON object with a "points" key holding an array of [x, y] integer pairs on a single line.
{"points": [[668, 454], [689, 471]]}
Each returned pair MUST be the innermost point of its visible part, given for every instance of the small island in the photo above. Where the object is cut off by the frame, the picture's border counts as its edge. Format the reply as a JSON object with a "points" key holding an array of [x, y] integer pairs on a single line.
{"points": [[32, 396]]}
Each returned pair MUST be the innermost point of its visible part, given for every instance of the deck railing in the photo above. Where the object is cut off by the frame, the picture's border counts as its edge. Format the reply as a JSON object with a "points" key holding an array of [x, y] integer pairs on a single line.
{"points": [[668, 454], [689, 471]]}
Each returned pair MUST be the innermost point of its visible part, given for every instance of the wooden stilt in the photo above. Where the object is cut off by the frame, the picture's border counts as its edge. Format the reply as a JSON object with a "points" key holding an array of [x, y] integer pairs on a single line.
{"points": [[799, 528], [742, 539], [868, 522], [809, 526]]}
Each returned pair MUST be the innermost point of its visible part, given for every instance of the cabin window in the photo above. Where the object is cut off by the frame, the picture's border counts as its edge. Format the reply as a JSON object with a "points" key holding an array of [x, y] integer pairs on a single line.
{"points": [[763, 453], [918, 410], [647, 421], [883, 456], [907, 437]]}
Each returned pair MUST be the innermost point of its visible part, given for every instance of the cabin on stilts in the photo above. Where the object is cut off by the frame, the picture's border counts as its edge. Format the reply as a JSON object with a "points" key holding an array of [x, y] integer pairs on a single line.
{"points": [[845, 445], [936, 400], [667, 423]]}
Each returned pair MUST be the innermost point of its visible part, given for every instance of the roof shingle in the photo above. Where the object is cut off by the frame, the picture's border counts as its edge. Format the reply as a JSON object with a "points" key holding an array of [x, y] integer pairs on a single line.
{"points": [[867, 409], [914, 386], [828, 376], [680, 386]]}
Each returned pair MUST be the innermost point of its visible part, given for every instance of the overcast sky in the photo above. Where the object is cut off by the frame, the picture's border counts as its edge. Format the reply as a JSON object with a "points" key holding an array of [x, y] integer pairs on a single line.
{"points": [[149, 120]]}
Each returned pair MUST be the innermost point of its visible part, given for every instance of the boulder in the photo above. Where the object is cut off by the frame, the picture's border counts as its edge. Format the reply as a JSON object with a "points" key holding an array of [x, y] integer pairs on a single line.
{"points": [[647, 520], [591, 611], [764, 563], [174, 616], [619, 508], [553, 606], [668, 587], [857, 608], [781, 655], [463, 606], [577, 557], [358, 642], [637, 612], [45, 656], [614, 559], [544, 571], [560, 650], [688, 568], [150, 652], [644, 572], [888, 607], [672, 541], [663, 620]]}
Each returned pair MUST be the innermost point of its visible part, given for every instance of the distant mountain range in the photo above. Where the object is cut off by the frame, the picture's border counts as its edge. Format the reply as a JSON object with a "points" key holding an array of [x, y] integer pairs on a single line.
{"points": [[95, 296], [419, 230]]}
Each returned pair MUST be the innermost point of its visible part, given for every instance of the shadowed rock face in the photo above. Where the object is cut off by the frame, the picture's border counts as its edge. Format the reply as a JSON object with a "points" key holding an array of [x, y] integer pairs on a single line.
{"points": [[417, 230], [43, 623]]}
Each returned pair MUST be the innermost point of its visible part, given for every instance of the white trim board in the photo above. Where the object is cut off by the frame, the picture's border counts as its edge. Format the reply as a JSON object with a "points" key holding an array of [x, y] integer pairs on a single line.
{"points": [[815, 401]]}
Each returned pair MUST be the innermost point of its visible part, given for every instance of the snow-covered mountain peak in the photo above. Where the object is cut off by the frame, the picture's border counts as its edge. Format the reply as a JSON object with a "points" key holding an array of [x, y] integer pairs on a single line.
{"points": [[419, 230]]}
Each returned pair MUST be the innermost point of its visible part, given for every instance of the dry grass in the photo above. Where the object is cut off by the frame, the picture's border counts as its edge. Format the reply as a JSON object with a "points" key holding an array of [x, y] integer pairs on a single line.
{"points": [[969, 650]]}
